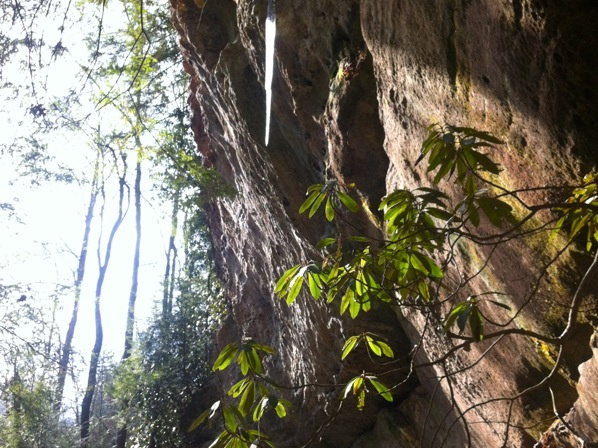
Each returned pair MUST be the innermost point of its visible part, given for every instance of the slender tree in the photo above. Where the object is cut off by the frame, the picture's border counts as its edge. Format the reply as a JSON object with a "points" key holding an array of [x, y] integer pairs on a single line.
{"points": [[171, 255], [121, 437], [80, 274], [99, 333]]}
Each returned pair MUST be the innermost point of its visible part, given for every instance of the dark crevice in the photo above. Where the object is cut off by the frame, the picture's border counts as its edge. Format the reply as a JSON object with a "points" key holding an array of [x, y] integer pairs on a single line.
{"points": [[517, 12], [451, 52]]}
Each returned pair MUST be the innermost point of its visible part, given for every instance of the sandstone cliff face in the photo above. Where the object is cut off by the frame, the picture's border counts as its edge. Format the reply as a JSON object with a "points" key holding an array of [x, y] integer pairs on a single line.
{"points": [[520, 69]]}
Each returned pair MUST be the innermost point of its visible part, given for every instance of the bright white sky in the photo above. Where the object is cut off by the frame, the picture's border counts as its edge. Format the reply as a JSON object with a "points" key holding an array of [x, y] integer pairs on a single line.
{"points": [[40, 249]]}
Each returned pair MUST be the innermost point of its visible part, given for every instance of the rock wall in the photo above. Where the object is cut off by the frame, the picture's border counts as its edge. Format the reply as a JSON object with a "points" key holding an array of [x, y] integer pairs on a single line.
{"points": [[520, 69]]}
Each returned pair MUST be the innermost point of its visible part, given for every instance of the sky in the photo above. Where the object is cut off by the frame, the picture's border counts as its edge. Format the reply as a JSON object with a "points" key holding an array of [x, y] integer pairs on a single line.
{"points": [[41, 239]]}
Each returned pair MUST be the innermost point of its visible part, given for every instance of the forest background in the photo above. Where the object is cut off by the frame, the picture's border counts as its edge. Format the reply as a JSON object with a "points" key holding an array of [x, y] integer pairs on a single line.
{"points": [[107, 290]]}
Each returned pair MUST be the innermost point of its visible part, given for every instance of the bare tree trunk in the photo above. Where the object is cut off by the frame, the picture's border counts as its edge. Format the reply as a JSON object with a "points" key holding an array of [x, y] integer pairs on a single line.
{"points": [[68, 342], [121, 436], [97, 348], [171, 255]]}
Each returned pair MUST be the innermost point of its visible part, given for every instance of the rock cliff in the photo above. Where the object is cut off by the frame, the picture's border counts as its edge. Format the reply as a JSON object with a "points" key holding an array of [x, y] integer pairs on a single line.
{"points": [[356, 83]]}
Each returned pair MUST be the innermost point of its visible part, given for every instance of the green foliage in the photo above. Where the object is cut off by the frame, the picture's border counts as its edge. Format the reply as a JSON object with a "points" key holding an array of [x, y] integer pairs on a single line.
{"points": [[30, 421], [246, 354], [580, 212], [252, 392], [330, 195], [376, 346], [358, 387], [408, 268]]}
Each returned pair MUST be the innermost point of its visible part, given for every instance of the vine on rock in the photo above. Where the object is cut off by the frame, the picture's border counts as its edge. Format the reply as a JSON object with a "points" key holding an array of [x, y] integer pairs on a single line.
{"points": [[408, 268]]}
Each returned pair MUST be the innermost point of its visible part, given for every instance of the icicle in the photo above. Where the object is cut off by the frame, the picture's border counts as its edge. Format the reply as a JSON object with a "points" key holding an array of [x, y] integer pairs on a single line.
{"points": [[270, 37]]}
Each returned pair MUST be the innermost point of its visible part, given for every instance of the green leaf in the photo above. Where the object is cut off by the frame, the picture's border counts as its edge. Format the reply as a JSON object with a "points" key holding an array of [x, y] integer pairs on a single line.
{"points": [[229, 419], [361, 400], [578, 224], [283, 281], [354, 308], [208, 413], [295, 288], [454, 314], [226, 356], [263, 348], [309, 201], [350, 344], [374, 346], [439, 213], [325, 242], [470, 186], [254, 361], [417, 264], [280, 410], [381, 388], [386, 350], [476, 324], [463, 318], [348, 201], [244, 362], [434, 269], [462, 170], [437, 156], [443, 171], [357, 385], [329, 209], [502, 305], [315, 285], [222, 441], [316, 204], [247, 399], [359, 239], [199, 420], [348, 388], [239, 387], [424, 291], [258, 412], [366, 304], [346, 300]]}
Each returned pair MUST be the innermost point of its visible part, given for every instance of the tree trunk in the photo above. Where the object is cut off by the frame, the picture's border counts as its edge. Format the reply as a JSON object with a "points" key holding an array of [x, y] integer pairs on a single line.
{"points": [[121, 436], [170, 274], [97, 348], [68, 342]]}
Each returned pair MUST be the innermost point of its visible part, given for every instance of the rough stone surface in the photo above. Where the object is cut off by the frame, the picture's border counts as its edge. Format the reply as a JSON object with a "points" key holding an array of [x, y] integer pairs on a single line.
{"points": [[520, 69]]}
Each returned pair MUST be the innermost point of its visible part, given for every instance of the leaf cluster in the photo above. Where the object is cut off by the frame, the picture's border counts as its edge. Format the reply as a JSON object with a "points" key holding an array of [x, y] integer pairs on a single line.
{"points": [[408, 268], [251, 393]]}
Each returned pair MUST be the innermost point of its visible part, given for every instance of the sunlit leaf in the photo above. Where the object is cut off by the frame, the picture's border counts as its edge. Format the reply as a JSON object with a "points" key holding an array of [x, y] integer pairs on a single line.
{"points": [[381, 388], [350, 344], [316, 204], [247, 399], [286, 277], [348, 201], [226, 356], [296, 284], [454, 314], [239, 387], [417, 264], [308, 202], [329, 210], [374, 347]]}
